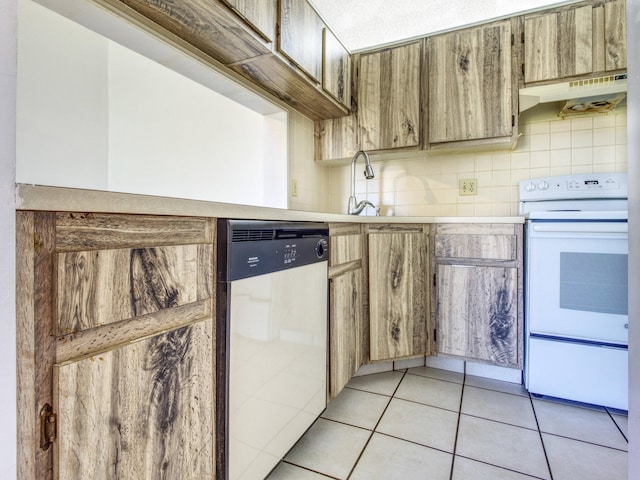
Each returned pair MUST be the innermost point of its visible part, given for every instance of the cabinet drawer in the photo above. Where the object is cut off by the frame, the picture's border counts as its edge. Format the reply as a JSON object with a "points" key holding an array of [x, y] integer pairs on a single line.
{"points": [[489, 247], [344, 249], [345, 243]]}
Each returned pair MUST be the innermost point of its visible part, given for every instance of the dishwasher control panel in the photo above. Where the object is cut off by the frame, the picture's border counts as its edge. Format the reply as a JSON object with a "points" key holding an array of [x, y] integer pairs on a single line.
{"points": [[258, 248]]}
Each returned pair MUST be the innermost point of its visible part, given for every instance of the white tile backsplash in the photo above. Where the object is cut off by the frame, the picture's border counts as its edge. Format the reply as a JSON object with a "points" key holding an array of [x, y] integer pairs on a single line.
{"points": [[426, 184], [581, 138]]}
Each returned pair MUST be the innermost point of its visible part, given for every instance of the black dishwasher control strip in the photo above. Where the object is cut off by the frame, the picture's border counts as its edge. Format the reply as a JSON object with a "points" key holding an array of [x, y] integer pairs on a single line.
{"points": [[260, 247]]}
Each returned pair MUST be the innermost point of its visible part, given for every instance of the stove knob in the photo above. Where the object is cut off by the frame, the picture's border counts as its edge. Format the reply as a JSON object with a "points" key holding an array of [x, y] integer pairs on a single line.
{"points": [[530, 187], [543, 185]]}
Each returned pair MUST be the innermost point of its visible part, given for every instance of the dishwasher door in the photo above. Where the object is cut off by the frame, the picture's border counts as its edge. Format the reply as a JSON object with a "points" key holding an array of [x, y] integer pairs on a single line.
{"points": [[275, 337], [278, 365]]}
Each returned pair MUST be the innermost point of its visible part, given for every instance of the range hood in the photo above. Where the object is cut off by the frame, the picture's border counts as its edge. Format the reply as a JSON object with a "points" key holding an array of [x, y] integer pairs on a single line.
{"points": [[599, 94]]}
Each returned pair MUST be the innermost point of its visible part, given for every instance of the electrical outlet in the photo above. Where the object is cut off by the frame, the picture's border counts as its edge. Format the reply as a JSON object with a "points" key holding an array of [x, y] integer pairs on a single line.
{"points": [[468, 186], [294, 187]]}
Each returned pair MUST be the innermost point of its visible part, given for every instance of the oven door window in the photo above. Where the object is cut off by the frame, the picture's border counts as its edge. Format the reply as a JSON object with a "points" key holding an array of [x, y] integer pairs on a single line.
{"points": [[577, 284], [594, 282]]}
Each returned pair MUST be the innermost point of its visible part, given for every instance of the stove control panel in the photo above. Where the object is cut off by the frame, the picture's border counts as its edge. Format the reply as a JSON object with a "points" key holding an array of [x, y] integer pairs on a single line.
{"points": [[566, 187], [594, 184]]}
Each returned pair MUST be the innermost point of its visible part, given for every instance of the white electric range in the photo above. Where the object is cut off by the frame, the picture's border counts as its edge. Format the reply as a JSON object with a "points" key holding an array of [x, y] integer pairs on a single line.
{"points": [[576, 320]]}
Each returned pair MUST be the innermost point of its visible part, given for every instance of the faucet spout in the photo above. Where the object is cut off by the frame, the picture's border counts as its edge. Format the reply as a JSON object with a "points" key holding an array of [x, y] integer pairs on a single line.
{"points": [[354, 207], [357, 209]]}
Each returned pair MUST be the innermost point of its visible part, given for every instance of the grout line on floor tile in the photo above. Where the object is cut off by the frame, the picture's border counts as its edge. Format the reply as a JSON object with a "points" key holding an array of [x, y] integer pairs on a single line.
{"points": [[501, 467], [496, 391], [427, 404], [374, 427], [434, 378], [367, 391], [309, 470], [344, 423], [413, 442], [584, 441], [499, 421], [455, 441], [616, 424], [544, 449]]}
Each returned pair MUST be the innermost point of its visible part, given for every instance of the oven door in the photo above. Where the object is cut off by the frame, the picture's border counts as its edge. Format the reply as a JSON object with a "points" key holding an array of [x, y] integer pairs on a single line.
{"points": [[577, 280]]}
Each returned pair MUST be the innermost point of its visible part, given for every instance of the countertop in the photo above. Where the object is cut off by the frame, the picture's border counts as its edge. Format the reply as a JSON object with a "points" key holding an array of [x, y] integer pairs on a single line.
{"points": [[35, 197]]}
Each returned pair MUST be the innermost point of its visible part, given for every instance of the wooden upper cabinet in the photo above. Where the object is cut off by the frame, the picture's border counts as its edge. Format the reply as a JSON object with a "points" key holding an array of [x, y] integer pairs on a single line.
{"points": [[615, 31], [558, 44], [259, 14], [336, 68], [470, 87], [336, 138], [208, 25], [389, 97], [300, 37], [574, 42]]}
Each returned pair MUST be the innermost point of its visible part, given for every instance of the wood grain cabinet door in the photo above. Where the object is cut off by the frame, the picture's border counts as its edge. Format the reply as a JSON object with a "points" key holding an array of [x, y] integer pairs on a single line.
{"points": [[118, 338], [558, 44], [615, 31], [300, 37], [259, 14], [347, 348], [398, 305], [208, 25], [345, 313], [389, 98], [336, 68], [477, 313], [470, 94]]}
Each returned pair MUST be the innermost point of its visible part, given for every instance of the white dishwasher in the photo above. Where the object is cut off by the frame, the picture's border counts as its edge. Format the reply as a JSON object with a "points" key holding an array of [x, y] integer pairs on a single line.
{"points": [[272, 341]]}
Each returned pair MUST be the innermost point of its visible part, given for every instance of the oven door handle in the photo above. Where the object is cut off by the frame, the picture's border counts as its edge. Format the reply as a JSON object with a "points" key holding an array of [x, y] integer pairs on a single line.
{"points": [[608, 227]]}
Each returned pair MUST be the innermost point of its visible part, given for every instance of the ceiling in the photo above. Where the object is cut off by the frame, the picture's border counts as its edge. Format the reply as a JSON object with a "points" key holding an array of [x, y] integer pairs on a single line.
{"points": [[362, 24]]}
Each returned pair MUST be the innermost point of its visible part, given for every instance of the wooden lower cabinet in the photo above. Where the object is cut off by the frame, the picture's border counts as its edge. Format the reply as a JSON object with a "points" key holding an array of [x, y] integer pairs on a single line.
{"points": [[347, 305], [478, 292], [398, 295], [116, 337], [478, 313]]}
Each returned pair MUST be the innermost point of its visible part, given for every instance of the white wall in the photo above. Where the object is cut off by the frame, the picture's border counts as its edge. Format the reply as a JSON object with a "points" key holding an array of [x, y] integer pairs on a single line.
{"points": [[93, 114], [275, 127], [8, 25], [62, 101], [314, 192], [633, 60], [171, 136]]}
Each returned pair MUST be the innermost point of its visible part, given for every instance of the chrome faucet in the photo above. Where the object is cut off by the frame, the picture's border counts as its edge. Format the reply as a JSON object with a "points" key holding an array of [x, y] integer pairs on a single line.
{"points": [[354, 207]]}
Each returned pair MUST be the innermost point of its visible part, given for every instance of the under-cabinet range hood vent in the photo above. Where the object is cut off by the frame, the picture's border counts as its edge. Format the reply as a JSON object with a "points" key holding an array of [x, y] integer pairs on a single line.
{"points": [[600, 94]]}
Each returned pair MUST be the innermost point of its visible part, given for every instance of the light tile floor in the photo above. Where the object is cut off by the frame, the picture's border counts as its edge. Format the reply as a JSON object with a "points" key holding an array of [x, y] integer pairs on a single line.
{"points": [[424, 423]]}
